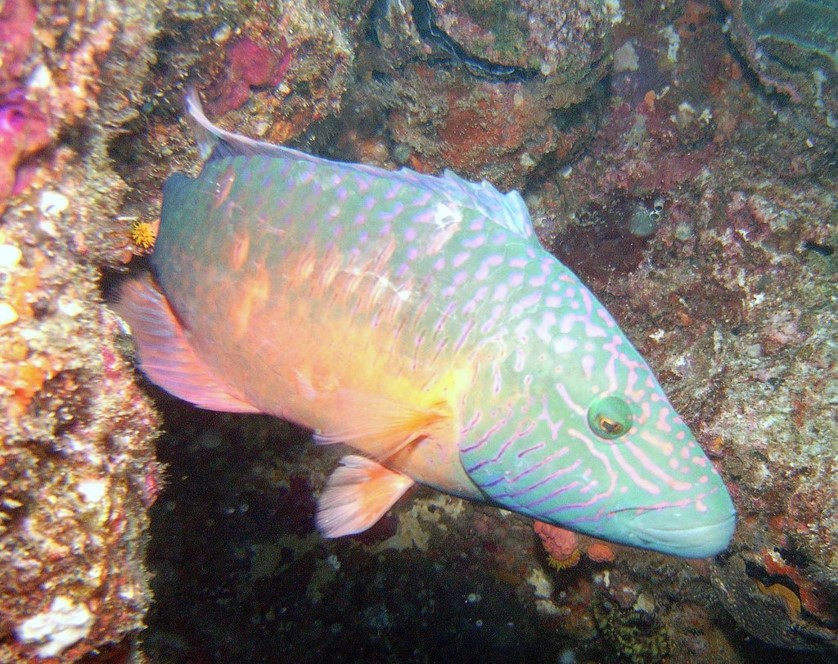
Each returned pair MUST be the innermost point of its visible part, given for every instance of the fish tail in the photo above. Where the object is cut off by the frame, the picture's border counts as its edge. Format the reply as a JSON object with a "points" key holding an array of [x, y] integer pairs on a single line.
{"points": [[166, 354]]}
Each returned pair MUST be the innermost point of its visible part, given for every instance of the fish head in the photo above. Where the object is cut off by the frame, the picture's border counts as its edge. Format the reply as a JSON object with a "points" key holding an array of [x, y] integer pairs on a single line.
{"points": [[590, 442]]}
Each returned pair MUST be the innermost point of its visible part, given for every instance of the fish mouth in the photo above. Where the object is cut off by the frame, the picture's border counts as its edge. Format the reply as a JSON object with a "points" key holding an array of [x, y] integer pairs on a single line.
{"points": [[677, 532]]}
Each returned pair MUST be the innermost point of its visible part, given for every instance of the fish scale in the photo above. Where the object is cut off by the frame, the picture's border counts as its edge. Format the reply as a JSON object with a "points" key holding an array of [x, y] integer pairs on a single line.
{"points": [[369, 234], [417, 320]]}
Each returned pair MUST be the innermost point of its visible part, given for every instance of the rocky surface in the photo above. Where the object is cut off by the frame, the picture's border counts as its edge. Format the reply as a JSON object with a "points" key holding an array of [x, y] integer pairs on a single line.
{"points": [[668, 154]]}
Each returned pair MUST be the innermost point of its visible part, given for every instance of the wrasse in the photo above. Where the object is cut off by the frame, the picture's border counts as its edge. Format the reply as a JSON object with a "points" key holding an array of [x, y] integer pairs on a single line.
{"points": [[417, 320]]}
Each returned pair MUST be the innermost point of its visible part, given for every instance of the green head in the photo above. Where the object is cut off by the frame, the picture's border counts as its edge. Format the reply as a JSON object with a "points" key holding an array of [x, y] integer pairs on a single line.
{"points": [[582, 436]]}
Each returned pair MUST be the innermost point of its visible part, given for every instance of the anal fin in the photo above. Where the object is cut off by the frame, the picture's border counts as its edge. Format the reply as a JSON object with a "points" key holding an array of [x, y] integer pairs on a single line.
{"points": [[357, 494], [166, 356]]}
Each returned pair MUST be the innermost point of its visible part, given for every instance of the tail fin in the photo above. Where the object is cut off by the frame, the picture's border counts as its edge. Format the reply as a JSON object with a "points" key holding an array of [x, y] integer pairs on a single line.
{"points": [[166, 355]]}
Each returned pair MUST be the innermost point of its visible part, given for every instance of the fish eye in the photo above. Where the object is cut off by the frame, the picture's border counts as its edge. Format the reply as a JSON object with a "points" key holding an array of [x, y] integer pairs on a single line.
{"points": [[609, 417]]}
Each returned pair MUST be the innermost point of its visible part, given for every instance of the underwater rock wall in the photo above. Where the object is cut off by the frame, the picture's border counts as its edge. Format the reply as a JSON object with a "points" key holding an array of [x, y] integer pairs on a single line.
{"points": [[792, 47], [515, 97], [77, 466], [669, 156]]}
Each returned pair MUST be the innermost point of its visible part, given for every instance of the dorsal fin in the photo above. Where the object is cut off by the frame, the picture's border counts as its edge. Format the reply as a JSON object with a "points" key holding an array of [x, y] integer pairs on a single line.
{"points": [[216, 143], [507, 210]]}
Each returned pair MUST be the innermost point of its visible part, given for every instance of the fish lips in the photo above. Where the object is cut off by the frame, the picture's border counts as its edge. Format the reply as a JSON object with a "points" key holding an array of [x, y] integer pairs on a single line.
{"points": [[676, 531]]}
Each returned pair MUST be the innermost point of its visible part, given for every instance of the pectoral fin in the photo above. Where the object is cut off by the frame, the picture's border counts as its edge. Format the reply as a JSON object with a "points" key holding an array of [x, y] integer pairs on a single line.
{"points": [[381, 427], [357, 494]]}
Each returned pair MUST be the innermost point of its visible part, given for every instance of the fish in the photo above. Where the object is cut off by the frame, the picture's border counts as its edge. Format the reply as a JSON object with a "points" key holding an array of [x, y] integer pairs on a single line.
{"points": [[416, 320]]}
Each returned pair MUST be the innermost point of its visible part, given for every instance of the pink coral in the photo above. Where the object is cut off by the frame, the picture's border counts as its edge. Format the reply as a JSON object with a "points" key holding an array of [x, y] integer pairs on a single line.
{"points": [[565, 547], [600, 552], [249, 65], [17, 20], [24, 130], [559, 543]]}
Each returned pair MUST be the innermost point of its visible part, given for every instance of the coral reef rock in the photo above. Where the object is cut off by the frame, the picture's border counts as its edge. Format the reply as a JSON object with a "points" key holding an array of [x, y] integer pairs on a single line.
{"points": [[490, 89], [680, 156]]}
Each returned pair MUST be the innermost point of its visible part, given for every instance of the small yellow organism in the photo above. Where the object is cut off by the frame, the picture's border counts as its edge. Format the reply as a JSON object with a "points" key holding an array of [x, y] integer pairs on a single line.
{"points": [[144, 233], [559, 564]]}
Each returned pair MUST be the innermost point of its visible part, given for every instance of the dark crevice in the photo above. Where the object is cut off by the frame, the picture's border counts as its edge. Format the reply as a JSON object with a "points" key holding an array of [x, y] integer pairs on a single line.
{"points": [[423, 19]]}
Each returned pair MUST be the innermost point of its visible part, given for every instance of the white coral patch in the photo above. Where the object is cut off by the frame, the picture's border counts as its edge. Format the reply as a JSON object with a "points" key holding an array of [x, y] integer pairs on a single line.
{"points": [[626, 58], [674, 43], [53, 203], [92, 490], [56, 629]]}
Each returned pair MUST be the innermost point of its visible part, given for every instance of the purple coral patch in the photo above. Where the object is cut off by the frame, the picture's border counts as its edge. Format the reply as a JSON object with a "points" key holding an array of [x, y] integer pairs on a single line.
{"points": [[249, 65], [17, 20], [24, 130]]}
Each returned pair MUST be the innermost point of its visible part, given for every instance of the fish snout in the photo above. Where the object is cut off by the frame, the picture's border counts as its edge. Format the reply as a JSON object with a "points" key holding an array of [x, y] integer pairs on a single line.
{"points": [[680, 531]]}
